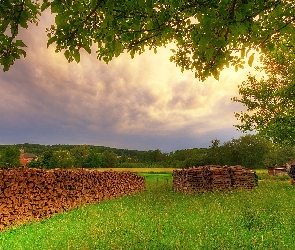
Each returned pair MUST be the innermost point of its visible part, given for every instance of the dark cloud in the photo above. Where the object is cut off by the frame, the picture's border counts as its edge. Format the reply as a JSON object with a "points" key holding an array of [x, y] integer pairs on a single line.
{"points": [[144, 103]]}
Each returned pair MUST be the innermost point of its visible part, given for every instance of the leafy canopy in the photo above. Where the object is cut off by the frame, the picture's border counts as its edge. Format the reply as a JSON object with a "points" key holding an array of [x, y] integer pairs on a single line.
{"points": [[270, 101], [207, 33]]}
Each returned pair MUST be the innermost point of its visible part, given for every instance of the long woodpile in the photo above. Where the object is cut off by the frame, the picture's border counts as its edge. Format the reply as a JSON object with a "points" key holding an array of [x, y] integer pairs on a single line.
{"points": [[212, 178], [27, 194]]}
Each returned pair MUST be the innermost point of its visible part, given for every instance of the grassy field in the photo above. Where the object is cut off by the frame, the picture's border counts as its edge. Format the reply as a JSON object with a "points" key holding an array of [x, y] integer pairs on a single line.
{"points": [[160, 218], [140, 170]]}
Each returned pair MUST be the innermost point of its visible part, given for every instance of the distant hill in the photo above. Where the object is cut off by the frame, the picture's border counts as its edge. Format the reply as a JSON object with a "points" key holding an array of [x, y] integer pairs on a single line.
{"points": [[40, 149]]}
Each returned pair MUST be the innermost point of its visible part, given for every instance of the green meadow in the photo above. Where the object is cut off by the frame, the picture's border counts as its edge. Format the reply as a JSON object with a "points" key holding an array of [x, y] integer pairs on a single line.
{"points": [[161, 218]]}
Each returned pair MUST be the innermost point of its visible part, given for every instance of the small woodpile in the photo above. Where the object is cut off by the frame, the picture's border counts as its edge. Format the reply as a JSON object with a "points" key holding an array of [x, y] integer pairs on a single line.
{"points": [[27, 194], [277, 171], [212, 178]]}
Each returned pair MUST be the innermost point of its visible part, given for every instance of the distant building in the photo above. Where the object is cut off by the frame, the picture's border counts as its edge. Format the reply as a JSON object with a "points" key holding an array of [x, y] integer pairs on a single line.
{"points": [[26, 158]]}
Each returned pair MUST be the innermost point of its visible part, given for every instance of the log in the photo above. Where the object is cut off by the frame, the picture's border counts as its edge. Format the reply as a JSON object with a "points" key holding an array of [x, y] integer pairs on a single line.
{"points": [[212, 178], [27, 194]]}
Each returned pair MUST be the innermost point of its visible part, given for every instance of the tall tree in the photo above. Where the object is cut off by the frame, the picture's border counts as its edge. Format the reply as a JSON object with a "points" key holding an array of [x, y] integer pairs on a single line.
{"points": [[10, 157], [249, 151], [46, 159], [270, 101], [80, 154], [95, 160], [279, 155], [111, 159], [207, 33], [62, 159]]}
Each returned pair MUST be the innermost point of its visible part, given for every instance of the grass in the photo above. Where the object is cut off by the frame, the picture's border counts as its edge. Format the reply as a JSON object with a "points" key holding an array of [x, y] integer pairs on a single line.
{"points": [[160, 218], [140, 170]]}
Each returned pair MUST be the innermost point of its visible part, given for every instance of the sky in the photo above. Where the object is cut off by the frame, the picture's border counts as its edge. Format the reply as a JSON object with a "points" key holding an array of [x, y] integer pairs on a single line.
{"points": [[145, 103]]}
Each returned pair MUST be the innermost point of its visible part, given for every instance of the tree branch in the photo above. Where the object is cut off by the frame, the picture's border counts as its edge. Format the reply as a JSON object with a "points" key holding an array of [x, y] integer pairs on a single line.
{"points": [[232, 11], [86, 19], [93, 11]]}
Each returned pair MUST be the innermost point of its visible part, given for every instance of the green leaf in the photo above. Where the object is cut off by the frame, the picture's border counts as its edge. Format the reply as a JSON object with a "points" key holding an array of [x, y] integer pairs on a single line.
{"points": [[76, 55], [87, 48], [51, 40], [117, 47], [243, 51], [110, 4], [56, 7], [103, 24], [137, 24], [150, 3], [251, 59], [109, 38], [22, 52], [67, 54], [216, 74], [203, 43], [20, 43], [175, 3], [60, 19], [34, 8], [45, 5], [23, 19]]}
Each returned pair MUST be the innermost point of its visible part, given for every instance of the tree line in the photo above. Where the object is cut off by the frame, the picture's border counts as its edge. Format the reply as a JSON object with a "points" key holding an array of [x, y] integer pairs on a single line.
{"points": [[251, 151]]}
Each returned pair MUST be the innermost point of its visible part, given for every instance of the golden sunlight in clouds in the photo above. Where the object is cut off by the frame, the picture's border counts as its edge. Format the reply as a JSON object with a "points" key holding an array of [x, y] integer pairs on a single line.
{"points": [[144, 95], [147, 93]]}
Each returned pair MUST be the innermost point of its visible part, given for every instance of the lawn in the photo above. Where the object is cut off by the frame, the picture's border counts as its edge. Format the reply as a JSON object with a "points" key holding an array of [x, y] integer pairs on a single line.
{"points": [[140, 170], [160, 218]]}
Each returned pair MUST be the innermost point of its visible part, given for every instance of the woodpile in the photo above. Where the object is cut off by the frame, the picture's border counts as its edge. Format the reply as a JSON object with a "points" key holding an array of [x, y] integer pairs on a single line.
{"points": [[212, 178], [27, 194], [277, 171]]}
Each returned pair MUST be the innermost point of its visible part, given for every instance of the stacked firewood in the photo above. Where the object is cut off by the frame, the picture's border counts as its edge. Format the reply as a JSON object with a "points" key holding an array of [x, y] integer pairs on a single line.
{"points": [[212, 178], [27, 194], [242, 178]]}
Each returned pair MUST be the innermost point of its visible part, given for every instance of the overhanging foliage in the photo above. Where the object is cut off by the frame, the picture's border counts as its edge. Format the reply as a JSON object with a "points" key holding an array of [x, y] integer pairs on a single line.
{"points": [[207, 33]]}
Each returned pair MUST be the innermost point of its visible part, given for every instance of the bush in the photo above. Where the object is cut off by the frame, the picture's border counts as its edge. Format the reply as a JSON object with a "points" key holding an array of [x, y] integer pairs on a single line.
{"points": [[10, 157]]}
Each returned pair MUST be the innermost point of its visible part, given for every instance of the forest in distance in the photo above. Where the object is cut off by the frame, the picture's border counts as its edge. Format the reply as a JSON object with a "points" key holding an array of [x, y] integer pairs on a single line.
{"points": [[251, 151]]}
